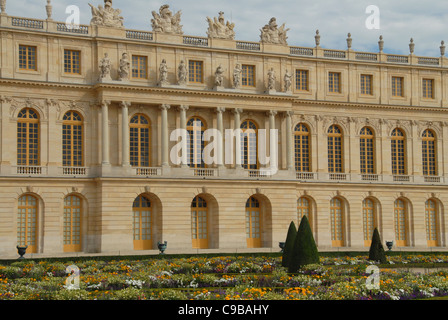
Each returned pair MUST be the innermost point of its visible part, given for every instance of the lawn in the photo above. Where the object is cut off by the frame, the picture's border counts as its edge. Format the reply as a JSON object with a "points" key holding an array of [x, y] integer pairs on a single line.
{"points": [[224, 277]]}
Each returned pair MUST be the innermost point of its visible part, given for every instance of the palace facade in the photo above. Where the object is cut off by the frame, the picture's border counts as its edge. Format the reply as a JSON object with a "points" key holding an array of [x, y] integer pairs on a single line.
{"points": [[86, 145]]}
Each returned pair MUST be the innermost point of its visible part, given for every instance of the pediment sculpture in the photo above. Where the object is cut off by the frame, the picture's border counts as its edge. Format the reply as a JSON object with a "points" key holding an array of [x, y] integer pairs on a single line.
{"points": [[107, 16], [271, 33], [218, 28], [165, 21]]}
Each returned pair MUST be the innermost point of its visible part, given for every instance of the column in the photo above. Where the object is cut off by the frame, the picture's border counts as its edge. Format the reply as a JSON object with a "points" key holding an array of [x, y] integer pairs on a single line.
{"points": [[237, 122], [220, 125], [273, 153], [289, 145], [105, 132], [165, 153], [125, 133], [183, 125]]}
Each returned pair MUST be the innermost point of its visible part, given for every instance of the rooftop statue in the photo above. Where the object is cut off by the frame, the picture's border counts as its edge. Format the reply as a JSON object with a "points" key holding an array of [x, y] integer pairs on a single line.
{"points": [[218, 28], [106, 16], [165, 21], [270, 33]]}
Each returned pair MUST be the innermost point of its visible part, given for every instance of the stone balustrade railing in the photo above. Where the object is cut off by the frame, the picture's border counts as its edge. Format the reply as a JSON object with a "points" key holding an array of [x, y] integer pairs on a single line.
{"points": [[138, 35]]}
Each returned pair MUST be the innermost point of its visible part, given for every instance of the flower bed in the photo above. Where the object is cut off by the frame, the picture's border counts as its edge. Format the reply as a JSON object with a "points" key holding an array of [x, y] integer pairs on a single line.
{"points": [[222, 278]]}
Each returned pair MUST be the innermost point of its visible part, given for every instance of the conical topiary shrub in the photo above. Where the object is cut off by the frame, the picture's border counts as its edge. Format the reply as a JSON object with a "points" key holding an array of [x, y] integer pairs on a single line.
{"points": [[376, 252], [304, 250], [289, 244]]}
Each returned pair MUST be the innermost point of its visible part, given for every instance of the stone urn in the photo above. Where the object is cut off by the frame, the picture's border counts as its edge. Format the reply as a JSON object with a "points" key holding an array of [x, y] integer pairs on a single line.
{"points": [[389, 244], [281, 245], [21, 250], [162, 246]]}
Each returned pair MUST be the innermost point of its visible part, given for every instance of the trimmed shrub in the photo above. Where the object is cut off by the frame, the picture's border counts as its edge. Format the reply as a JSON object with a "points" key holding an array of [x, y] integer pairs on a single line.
{"points": [[289, 244], [304, 250], [376, 252]]}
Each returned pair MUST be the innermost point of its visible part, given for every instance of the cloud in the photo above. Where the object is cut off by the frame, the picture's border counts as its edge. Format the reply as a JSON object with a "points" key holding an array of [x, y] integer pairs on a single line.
{"points": [[424, 21]]}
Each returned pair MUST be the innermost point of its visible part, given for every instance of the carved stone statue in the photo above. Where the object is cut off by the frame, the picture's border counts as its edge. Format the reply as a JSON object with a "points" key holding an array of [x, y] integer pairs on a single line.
{"points": [[105, 68], [219, 76], [163, 70], [271, 79], [165, 21], [236, 76], [124, 68], [271, 33], [288, 81], [182, 73], [107, 16], [218, 28]]}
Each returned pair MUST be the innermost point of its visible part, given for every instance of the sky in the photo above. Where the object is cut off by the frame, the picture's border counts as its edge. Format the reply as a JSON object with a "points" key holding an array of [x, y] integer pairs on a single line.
{"points": [[396, 20]]}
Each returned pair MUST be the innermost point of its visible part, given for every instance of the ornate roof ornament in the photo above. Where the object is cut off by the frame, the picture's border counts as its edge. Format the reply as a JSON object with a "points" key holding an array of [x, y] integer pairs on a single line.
{"points": [[271, 33], [218, 28], [165, 21], [107, 16]]}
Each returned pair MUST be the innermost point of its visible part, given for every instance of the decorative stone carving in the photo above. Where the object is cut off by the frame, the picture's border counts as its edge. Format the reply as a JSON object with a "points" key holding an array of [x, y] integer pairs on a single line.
{"points": [[3, 6], [49, 9], [381, 44], [411, 46], [218, 28], [317, 38], [107, 16], [219, 76], [163, 70], [442, 48], [165, 21], [271, 33], [349, 41], [124, 68], [288, 81], [104, 67], [182, 73], [271, 79], [236, 76]]}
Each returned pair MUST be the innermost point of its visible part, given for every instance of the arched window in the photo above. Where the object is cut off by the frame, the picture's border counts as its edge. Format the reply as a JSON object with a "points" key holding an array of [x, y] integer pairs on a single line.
{"points": [[28, 153], [401, 223], [337, 222], [139, 144], [304, 209], [249, 148], [253, 223], [302, 148], [72, 223], [429, 153], [431, 219], [195, 143], [335, 149], [369, 220], [142, 223], [367, 151], [398, 152], [199, 223], [72, 140], [27, 215]]}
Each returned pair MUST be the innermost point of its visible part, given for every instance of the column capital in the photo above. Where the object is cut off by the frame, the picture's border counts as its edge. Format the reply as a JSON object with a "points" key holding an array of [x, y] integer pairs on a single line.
{"points": [[105, 103], [220, 109], [164, 107], [183, 108], [271, 113], [288, 113], [125, 104], [237, 110]]}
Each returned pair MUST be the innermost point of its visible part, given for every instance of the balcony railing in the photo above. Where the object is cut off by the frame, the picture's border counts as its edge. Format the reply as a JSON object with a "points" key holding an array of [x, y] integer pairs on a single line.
{"points": [[196, 41], [27, 23], [305, 176], [81, 29], [148, 171], [29, 170], [139, 35], [247, 45], [74, 171], [200, 172]]}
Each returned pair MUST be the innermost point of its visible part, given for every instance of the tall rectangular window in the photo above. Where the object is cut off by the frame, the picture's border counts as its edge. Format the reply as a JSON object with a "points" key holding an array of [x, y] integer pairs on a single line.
{"points": [[72, 61], [334, 82], [27, 57], [302, 80], [195, 71], [248, 76], [366, 84], [140, 67], [428, 88], [397, 87]]}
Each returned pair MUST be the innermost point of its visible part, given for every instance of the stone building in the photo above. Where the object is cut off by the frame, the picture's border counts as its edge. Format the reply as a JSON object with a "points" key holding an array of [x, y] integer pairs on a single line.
{"points": [[86, 150]]}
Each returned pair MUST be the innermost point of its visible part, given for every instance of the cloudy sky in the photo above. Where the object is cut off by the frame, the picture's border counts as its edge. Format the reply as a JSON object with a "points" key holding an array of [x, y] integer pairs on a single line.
{"points": [[399, 20]]}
